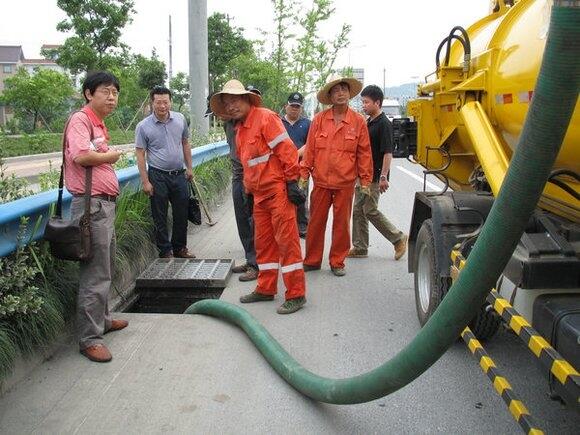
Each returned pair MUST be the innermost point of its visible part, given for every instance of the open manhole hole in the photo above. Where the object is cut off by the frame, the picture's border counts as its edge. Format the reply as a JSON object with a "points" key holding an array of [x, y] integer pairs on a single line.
{"points": [[170, 285]]}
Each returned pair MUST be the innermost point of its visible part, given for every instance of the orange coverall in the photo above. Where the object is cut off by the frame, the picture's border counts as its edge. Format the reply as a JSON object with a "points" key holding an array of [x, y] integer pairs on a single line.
{"points": [[270, 159], [335, 156]]}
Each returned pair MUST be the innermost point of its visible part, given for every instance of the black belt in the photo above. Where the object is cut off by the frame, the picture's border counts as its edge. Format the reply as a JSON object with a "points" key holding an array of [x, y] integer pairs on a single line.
{"points": [[109, 198], [174, 172]]}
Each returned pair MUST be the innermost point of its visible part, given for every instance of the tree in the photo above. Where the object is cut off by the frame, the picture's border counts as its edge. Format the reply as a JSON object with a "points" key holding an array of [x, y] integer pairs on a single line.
{"points": [[261, 73], [283, 13], [315, 56], [40, 96], [136, 77], [179, 86], [225, 43], [151, 71], [97, 25]]}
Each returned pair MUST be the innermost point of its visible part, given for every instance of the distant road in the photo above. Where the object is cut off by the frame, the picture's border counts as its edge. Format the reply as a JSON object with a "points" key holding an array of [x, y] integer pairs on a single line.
{"points": [[30, 167]]}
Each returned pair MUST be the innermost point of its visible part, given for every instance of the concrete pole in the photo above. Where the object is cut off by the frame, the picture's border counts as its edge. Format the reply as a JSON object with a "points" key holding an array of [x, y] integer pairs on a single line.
{"points": [[198, 69], [170, 52]]}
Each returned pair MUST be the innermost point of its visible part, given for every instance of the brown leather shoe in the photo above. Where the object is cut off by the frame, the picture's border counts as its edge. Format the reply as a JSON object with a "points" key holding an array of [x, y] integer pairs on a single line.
{"points": [[117, 324], [241, 268], [401, 247], [97, 353], [168, 254], [250, 275], [183, 253], [357, 253]]}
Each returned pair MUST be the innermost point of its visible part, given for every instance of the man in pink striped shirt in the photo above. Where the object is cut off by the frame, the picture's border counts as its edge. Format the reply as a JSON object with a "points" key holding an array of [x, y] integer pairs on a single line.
{"points": [[86, 145]]}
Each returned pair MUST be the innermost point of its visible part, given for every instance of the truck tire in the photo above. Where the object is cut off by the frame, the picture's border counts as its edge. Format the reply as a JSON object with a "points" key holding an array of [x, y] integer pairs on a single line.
{"points": [[485, 323], [429, 287]]}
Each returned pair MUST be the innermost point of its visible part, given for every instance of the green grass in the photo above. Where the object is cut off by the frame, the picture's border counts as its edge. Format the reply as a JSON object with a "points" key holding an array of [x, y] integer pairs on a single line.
{"points": [[28, 144]]}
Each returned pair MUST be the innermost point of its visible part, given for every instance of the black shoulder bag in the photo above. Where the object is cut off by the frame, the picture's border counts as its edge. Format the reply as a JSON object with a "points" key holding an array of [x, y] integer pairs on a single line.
{"points": [[70, 239]]}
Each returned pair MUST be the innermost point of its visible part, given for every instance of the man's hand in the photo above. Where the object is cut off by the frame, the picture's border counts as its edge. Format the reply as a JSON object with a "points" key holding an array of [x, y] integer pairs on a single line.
{"points": [[383, 185], [114, 155], [188, 174], [365, 190], [295, 193], [302, 183], [148, 188]]}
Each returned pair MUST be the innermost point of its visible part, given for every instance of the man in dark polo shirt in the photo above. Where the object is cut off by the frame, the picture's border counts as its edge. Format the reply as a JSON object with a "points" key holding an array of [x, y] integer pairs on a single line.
{"points": [[163, 139], [366, 206], [297, 127]]}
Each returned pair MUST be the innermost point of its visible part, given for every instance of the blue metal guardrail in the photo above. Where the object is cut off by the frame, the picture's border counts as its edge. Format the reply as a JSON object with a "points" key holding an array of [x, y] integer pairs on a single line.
{"points": [[37, 207]]}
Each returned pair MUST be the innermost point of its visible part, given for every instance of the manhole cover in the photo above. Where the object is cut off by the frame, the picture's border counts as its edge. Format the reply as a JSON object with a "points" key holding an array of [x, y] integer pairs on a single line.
{"points": [[186, 273]]}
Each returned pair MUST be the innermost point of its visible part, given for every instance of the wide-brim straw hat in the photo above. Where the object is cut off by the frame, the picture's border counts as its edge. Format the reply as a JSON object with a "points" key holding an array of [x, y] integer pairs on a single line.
{"points": [[353, 84], [232, 87]]}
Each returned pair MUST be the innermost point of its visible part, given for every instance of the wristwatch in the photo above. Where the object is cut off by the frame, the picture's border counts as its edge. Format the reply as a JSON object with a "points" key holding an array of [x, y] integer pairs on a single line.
{"points": [[383, 178]]}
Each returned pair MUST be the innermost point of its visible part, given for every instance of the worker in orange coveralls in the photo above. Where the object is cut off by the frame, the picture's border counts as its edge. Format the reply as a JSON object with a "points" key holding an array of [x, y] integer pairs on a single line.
{"points": [[337, 152], [271, 173]]}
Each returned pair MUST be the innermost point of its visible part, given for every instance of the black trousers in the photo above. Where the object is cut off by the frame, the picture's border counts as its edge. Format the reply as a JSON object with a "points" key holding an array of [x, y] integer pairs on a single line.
{"points": [[244, 221], [169, 188]]}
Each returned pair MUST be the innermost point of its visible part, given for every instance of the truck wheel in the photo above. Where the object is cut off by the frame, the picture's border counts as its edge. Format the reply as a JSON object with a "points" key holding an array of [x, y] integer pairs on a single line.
{"points": [[485, 323], [429, 287]]}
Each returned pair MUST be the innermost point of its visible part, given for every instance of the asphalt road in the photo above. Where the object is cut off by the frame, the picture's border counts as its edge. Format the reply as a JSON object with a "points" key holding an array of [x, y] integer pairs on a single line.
{"points": [[30, 167], [193, 374]]}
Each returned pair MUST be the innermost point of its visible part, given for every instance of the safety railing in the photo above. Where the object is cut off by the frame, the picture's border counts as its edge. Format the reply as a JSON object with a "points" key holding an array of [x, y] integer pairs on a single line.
{"points": [[37, 207]]}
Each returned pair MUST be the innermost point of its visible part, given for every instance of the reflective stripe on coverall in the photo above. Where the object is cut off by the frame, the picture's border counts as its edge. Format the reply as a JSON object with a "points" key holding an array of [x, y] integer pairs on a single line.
{"points": [[335, 156], [270, 159]]}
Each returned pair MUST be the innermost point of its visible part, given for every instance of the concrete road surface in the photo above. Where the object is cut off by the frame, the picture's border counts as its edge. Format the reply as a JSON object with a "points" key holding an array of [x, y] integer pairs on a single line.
{"points": [[195, 374], [30, 167]]}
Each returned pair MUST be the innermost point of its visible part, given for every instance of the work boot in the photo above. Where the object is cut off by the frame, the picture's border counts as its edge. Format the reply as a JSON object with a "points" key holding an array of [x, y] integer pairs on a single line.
{"points": [[338, 271], [401, 247], [291, 306], [255, 297], [97, 353], [250, 275], [183, 253], [117, 324], [308, 267], [241, 268], [168, 254], [357, 253]]}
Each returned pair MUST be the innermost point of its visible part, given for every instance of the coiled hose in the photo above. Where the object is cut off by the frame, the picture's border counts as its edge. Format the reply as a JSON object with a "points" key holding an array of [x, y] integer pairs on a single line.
{"points": [[546, 124]]}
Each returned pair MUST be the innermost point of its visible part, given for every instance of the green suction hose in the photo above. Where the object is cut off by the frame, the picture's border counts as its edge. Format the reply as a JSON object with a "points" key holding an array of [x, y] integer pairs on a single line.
{"points": [[546, 124]]}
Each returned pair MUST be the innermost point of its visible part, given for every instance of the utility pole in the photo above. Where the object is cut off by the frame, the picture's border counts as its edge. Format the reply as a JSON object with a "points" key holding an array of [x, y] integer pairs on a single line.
{"points": [[384, 80], [198, 65], [170, 51]]}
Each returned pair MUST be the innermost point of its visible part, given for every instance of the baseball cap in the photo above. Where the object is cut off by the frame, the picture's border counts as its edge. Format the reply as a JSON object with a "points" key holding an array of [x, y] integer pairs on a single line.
{"points": [[296, 98], [253, 89]]}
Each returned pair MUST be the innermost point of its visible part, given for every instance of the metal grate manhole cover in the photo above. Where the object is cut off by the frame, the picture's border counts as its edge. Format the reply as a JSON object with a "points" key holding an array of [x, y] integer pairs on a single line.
{"points": [[186, 273]]}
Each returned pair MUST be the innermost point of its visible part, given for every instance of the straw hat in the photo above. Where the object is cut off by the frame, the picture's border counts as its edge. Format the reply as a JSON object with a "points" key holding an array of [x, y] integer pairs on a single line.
{"points": [[232, 87], [353, 84]]}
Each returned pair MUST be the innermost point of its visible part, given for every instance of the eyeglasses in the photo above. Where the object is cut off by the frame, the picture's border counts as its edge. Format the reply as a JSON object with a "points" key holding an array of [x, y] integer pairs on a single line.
{"points": [[108, 92]]}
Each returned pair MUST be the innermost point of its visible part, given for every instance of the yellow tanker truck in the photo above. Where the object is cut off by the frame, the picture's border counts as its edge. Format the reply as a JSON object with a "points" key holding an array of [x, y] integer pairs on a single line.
{"points": [[463, 128]]}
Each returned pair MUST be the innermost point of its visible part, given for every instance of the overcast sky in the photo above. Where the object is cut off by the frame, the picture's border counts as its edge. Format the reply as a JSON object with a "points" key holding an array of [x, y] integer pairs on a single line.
{"points": [[398, 36]]}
